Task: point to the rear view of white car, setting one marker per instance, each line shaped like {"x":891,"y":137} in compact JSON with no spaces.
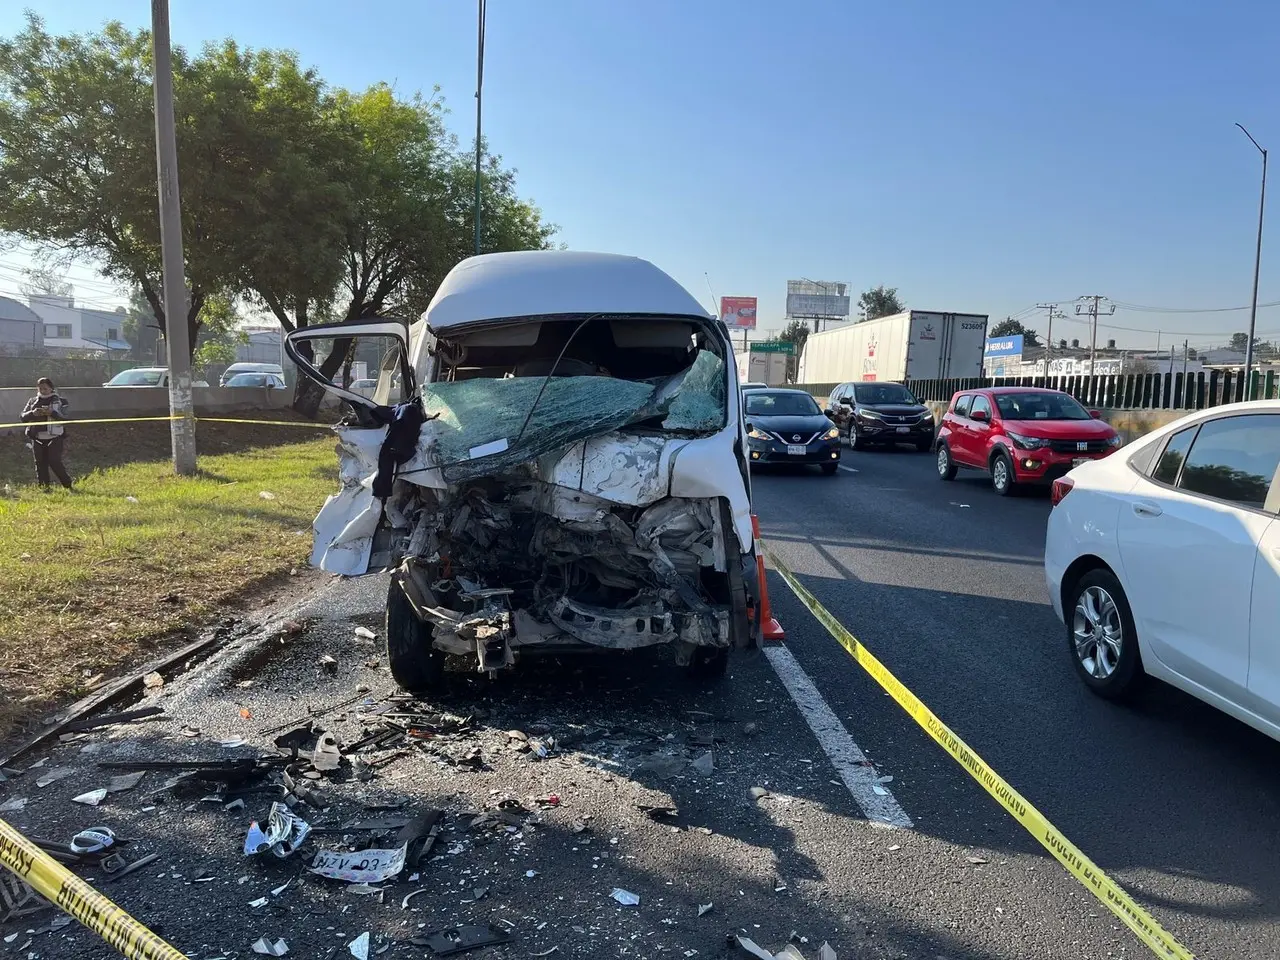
{"x":1164,"y":560}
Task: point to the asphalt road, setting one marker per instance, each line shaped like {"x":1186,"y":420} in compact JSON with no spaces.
{"x":943,"y":582}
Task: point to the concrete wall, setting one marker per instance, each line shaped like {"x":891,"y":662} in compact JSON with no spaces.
{"x":102,"y":402}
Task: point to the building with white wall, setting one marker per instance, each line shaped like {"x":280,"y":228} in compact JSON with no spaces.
{"x":72,"y":329}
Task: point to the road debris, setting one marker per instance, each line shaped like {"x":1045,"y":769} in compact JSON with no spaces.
{"x":359,"y":947}
{"x":110,"y":719}
{"x":364,"y":633}
{"x":704,"y":764}
{"x":705,"y":908}
{"x":92,"y":798}
{"x":54,"y":775}
{"x":18,"y":898}
{"x":625,"y":897}
{"x":452,"y":940}
{"x":758,"y":793}
{"x":270,"y":948}
{"x":404,"y":904}
{"x":13,"y":805}
{"x":285,"y":832}
{"x":362,"y":866}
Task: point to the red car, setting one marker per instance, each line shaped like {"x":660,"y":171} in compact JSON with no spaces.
{"x":1020,"y":435}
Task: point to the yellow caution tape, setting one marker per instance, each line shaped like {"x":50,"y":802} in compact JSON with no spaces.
{"x":76,"y":423}
{"x":1111,"y":895}
{"x":80,"y":901}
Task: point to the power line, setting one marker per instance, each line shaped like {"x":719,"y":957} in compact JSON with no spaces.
{"x":1140,"y":308}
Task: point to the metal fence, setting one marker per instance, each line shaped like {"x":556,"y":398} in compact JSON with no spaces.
{"x":1149,"y":391}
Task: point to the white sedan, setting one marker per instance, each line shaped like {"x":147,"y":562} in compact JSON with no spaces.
{"x":1164,"y":560}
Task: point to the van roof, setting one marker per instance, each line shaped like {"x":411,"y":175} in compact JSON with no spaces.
{"x":541,"y":283}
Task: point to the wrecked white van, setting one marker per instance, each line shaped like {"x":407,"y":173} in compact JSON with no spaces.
{"x":552,"y":462}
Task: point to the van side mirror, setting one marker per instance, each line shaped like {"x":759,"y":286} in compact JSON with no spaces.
{"x":829,"y":413}
{"x":1096,"y":414}
{"x":981,"y":416}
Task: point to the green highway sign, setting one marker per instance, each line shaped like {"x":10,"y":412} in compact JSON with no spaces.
{"x":774,"y":346}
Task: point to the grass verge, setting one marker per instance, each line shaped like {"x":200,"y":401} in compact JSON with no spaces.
{"x":90,"y":579}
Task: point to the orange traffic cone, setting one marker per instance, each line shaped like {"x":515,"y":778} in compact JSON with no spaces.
{"x":770,"y":628}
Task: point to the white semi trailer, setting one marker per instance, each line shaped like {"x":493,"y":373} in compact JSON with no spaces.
{"x":913,"y":345}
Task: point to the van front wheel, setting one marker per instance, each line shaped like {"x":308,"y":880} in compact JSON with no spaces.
{"x":415,"y":666}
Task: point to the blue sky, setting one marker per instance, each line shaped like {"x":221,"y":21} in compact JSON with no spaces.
{"x":979,"y":156}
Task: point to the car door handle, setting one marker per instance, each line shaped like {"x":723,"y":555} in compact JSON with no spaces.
{"x":1144,"y":509}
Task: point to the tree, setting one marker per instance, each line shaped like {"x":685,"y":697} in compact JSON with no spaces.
{"x":77,"y":153}
{"x":139,"y":327}
{"x":45,"y":282}
{"x":879,"y":302}
{"x":1008,"y":327}
{"x":220,"y":333}
{"x":314,"y":203}
{"x":1240,"y":341}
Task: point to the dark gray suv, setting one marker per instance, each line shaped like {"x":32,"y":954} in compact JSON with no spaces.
{"x":880,"y":413}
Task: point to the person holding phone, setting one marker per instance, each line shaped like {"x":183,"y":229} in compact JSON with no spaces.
{"x":47,"y":436}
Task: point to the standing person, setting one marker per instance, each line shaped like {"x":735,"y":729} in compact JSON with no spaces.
{"x":46,"y":436}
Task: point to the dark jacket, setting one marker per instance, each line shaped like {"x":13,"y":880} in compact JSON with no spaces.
{"x":41,"y":411}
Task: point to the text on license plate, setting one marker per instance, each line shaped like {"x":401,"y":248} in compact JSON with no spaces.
{"x":797,"y":450}
{"x":904,"y":429}
{"x":1079,"y":460}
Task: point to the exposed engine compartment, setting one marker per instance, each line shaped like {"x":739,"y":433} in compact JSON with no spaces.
{"x":510,"y":561}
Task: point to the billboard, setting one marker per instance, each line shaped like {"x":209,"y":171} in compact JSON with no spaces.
{"x":817,"y":299}
{"x":738,"y":313}
{"x":1004,"y":346}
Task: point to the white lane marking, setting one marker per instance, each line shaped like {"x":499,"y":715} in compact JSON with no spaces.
{"x":874,"y":799}
{"x":848,"y":469}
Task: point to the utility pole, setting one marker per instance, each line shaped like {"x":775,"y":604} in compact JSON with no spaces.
{"x":1185,"y":346}
{"x":1092,"y":310}
{"x":1257,"y":266}
{"x":1048,"y":337}
{"x":182,"y":428}
{"x":479,"y":90}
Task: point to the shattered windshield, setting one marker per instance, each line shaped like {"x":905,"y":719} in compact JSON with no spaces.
{"x":481,"y":426}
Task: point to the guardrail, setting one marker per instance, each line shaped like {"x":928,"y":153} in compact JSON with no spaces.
{"x":1137,"y":391}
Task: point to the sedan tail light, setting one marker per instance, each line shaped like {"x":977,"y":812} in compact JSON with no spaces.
{"x":1061,"y":487}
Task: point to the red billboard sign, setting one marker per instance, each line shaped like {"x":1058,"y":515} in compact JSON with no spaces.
{"x":738,"y":313}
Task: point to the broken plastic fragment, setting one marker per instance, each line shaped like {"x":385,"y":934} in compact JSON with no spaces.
{"x":92,"y":798}
{"x":270,"y":948}
{"x":625,"y":897}
{"x":13,"y":805}
{"x":758,"y":793}
{"x":826,"y":953}
{"x":704,"y":909}
{"x":705,"y":764}
{"x":404,"y":904}
{"x":285,"y":832}
{"x":359,"y":947}
{"x":260,"y":902}
{"x":364,"y":633}
{"x":750,"y":947}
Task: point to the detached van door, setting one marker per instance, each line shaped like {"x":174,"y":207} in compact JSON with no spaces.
{"x":352,"y":532}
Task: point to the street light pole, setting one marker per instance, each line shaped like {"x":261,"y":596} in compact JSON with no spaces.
{"x":182,"y":426}
{"x":1257,"y":266}
{"x":479,"y":90}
